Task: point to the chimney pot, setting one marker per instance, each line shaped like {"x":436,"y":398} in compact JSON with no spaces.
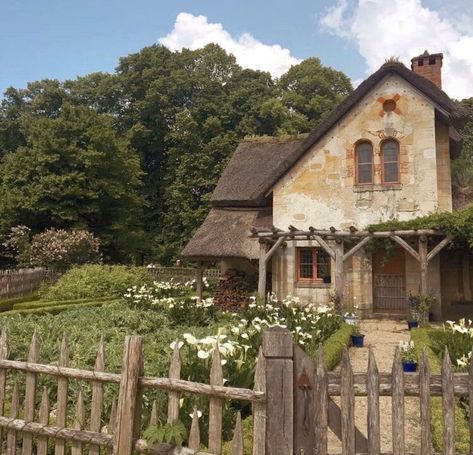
{"x":429,"y":66}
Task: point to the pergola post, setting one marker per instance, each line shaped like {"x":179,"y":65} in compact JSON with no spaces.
{"x":262,"y":269}
{"x":199,"y":279}
{"x":424,"y":265}
{"x":339,"y":275}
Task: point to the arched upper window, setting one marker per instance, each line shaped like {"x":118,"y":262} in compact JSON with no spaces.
{"x":364,"y":163}
{"x":390,"y":160}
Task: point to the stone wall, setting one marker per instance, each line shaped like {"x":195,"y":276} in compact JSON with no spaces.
{"x":444,"y":169}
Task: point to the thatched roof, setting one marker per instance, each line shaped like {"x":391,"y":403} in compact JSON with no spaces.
{"x":251,"y":170}
{"x":224,"y":233}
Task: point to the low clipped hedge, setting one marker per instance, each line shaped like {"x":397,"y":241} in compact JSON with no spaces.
{"x":8,"y":304}
{"x":335,"y":344}
{"x":59,"y":308}
{"x":423,"y":339}
{"x":33,"y":304}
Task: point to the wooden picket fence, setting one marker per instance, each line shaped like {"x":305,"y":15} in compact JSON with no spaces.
{"x":292,"y":402}
{"x":302,"y":391}
{"x":125,"y":419}
{"x":180,"y":274}
{"x":18,"y":282}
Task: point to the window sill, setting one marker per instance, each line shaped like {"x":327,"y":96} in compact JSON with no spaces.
{"x":313,"y":284}
{"x":387,"y":187}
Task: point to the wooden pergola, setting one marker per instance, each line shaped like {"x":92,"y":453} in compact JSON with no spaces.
{"x":333,"y":242}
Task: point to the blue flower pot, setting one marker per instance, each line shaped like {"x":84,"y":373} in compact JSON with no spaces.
{"x":412,"y":324}
{"x":409,"y":367}
{"x":357,"y":340}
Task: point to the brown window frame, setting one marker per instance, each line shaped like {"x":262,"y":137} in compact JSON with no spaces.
{"x":398,"y":162}
{"x":315,"y":278}
{"x":357,"y":163}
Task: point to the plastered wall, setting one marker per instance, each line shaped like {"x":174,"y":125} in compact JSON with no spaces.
{"x":321,"y":190}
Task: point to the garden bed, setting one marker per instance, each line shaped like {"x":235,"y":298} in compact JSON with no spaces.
{"x":429,"y":339}
{"x":164,"y":313}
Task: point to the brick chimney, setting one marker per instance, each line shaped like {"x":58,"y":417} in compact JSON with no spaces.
{"x":429,"y":66}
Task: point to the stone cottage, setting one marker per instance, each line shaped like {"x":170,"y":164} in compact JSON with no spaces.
{"x":286,"y":209}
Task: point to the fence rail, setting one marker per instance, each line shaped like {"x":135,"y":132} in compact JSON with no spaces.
{"x":123,"y":437}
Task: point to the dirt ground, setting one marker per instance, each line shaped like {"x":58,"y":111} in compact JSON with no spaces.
{"x":383,"y":336}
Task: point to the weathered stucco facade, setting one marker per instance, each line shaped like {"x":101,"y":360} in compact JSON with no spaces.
{"x":321,"y":190}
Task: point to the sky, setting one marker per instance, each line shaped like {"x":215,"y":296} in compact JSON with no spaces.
{"x":63,"y":39}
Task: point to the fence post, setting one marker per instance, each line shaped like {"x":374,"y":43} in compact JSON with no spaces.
{"x":129,"y":401}
{"x":278,"y":353}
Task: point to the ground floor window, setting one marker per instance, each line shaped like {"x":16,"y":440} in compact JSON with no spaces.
{"x":313,"y":264}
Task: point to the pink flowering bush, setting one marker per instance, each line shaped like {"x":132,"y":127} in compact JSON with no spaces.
{"x":53,"y":248}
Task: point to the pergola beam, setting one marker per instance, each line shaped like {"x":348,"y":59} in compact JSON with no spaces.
{"x":301,"y":235}
{"x":325,"y":246}
{"x":273,"y":249}
{"x":438,"y":248}
{"x":357,"y":247}
{"x":263,"y":250}
{"x":406,"y":246}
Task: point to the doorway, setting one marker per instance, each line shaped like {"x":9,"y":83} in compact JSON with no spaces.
{"x":389,"y":281}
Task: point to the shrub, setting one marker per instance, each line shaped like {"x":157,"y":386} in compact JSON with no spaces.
{"x":54,"y":249}
{"x":94,"y":280}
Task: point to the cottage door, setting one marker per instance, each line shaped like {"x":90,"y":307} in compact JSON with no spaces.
{"x":389,"y":281}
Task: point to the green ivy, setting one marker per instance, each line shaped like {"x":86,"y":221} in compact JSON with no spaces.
{"x":457,"y":224}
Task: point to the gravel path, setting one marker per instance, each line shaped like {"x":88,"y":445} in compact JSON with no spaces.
{"x":383,"y":336}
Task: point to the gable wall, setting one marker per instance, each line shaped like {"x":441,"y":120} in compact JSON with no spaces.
{"x":319,"y":191}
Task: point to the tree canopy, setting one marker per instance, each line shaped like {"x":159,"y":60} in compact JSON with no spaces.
{"x":134,"y":156}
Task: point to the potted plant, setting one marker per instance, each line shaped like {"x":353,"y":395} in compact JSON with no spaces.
{"x":351,"y":317}
{"x":408,"y":356}
{"x":357,"y":338}
{"x":413,"y":321}
{"x":425,"y":303}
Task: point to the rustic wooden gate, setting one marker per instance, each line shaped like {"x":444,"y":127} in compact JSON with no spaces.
{"x":389,"y":292}
{"x":300,"y":409}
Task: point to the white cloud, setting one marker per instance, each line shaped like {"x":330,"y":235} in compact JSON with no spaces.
{"x":404,"y":29}
{"x":193,"y":32}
